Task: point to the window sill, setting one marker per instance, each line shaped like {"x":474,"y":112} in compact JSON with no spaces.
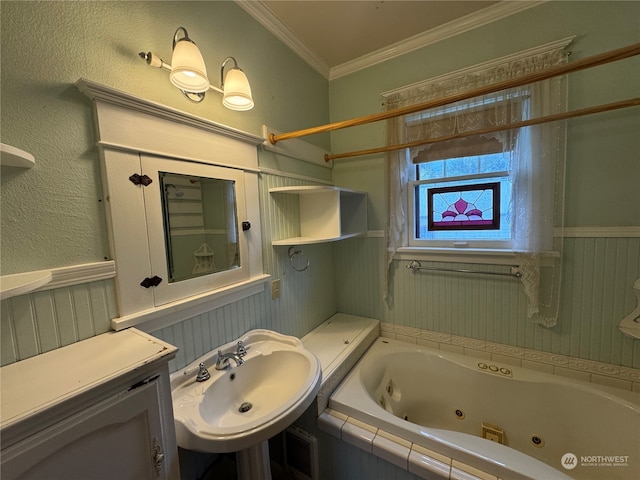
{"x":482,"y":256}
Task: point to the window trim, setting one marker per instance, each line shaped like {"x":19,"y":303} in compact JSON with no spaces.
{"x":402,"y":245}
{"x":477,"y":246}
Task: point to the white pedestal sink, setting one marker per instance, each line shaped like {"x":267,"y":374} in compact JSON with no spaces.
{"x":240,"y":408}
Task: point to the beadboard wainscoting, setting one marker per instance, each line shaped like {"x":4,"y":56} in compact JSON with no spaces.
{"x":41,"y":321}
{"x":45,"y":320}
{"x":596,"y":295}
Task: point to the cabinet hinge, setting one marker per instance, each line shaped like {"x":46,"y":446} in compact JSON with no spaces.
{"x":151,"y":282}
{"x":140,"y":180}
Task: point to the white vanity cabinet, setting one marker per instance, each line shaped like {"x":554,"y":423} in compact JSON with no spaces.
{"x":97,"y":409}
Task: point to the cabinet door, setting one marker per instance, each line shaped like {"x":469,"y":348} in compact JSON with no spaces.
{"x":118,"y":438}
{"x":191,"y":210}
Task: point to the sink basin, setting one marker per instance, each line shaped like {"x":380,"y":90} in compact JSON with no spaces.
{"x":244,"y":405}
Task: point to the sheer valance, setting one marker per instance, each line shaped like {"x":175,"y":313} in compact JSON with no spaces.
{"x":494,"y":113}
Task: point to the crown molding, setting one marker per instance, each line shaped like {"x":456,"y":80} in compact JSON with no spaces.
{"x":265,"y":17}
{"x":455,"y":27}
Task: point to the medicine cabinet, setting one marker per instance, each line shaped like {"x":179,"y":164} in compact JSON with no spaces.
{"x":176,"y":228}
{"x":326,"y":214}
{"x":182,"y":207}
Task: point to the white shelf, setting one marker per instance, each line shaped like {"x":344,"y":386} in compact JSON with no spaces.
{"x":27,"y":282}
{"x":14,"y":157}
{"x":310,"y":189}
{"x":310,"y":240}
{"x":21,"y":283}
{"x":327,"y":214}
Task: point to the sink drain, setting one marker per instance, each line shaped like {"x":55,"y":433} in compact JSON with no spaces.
{"x":245,"y":407}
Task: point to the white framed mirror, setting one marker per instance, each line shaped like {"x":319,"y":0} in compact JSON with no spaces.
{"x":194,"y":215}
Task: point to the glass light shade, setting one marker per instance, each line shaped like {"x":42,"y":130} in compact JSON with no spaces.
{"x":188,"y":71}
{"x":237,"y":92}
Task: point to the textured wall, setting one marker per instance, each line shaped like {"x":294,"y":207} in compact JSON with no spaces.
{"x":39,"y":322}
{"x":602,"y":178}
{"x":52,"y":215}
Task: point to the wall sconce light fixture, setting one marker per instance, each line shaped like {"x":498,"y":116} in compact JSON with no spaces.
{"x":189,"y":73}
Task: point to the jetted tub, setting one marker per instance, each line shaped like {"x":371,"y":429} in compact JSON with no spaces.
{"x":444,"y":401}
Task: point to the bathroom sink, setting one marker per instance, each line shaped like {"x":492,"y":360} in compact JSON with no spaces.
{"x":246,"y":404}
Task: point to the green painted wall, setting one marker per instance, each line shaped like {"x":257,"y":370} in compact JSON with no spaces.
{"x":603,"y":169}
{"x":52,"y":215}
{"x":603,"y":174}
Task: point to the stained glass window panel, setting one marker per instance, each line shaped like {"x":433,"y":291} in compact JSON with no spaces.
{"x":468,"y":207}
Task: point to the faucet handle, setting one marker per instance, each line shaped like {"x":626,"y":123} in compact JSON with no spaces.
{"x":241,"y":350}
{"x":203,"y":373}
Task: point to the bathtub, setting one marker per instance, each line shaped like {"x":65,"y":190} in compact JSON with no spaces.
{"x":443,"y":401}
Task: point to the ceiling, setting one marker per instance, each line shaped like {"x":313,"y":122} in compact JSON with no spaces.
{"x":339,"y":37}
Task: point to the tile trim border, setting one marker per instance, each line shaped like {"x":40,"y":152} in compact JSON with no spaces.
{"x":333,"y":423}
{"x":600,"y":373}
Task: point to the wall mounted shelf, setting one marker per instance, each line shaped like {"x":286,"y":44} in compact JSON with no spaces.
{"x":28,"y":282}
{"x":14,"y":157}
{"x":327,"y":214}
{"x":21,"y":283}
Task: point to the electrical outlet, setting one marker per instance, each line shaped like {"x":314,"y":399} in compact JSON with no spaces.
{"x":275,"y":289}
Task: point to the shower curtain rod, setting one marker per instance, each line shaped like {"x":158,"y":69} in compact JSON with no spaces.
{"x":593,"y":61}
{"x":634,"y":102}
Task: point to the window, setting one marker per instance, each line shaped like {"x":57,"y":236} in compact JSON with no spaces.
{"x":461,"y":193}
{"x":499,"y":194}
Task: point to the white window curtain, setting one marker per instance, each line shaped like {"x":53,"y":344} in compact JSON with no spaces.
{"x":537,"y":157}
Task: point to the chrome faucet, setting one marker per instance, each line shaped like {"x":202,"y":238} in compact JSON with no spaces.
{"x":223,"y":360}
{"x":222,"y":363}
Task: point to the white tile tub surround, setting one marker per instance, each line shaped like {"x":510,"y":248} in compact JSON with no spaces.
{"x":599,"y":373}
{"x":358,"y":434}
{"x":392,"y":448}
{"x":428,"y":464}
{"x":418,"y":460}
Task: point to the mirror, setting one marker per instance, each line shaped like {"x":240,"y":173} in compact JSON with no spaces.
{"x":201,"y":234}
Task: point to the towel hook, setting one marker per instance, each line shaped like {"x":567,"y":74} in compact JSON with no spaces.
{"x":293,"y":252}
